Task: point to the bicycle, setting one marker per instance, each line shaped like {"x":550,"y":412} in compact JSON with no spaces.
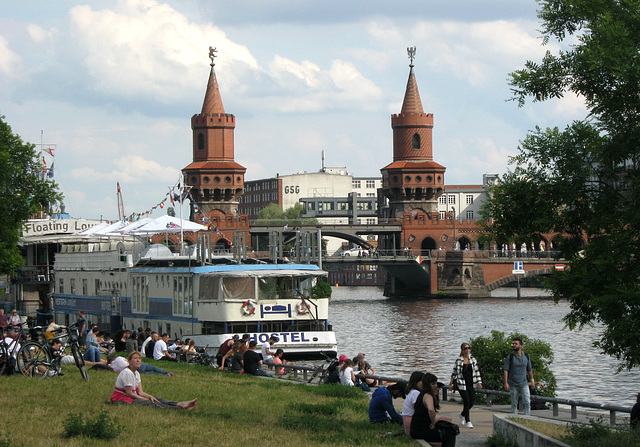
{"x":9,"y":353}
{"x":37,"y":360}
{"x":323,"y":370}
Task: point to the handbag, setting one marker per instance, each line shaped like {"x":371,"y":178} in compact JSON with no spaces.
{"x":447,"y":429}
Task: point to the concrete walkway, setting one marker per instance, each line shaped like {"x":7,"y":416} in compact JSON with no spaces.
{"x":482,"y":419}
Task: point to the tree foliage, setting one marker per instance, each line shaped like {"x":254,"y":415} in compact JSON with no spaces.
{"x":491,"y":353}
{"x":23,"y":193}
{"x":583,"y":181}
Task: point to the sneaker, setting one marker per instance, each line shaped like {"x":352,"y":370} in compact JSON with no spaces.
{"x":469,"y":425}
{"x":461,"y":419}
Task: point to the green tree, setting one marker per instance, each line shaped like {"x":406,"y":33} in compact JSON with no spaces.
{"x":271,"y":212}
{"x":23,"y":193}
{"x":583,"y":181}
{"x":171,"y":211}
{"x":491,"y":353}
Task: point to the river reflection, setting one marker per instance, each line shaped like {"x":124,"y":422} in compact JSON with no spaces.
{"x":400,"y":336}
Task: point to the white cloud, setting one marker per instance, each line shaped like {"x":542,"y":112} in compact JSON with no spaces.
{"x":142,"y":47}
{"x":129,"y":169}
{"x":10,"y":62}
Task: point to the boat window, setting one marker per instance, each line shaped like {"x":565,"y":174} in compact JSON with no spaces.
{"x":209,"y":287}
{"x":238,"y":288}
{"x":267,"y":288}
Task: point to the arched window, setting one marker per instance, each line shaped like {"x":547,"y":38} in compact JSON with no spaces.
{"x":200,"y":141}
{"x":416,"y":141}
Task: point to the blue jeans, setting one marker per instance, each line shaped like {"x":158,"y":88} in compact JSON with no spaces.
{"x":261,"y":372}
{"x":522,"y":390}
{"x":92,"y":354}
{"x":145,"y":368}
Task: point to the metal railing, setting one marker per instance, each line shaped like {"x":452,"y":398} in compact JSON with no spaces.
{"x":305,"y":371}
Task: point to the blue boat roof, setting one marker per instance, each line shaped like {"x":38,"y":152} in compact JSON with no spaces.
{"x":227,"y":268}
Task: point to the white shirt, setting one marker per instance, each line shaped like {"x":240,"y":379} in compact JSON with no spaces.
{"x":128,"y":378}
{"x":159,"y":350}
{"x":119,"y":364}
{"x":265,"y":348}
{"x":410,"y":402}
{"x":345,"y":376}
{"x":9,"y":343}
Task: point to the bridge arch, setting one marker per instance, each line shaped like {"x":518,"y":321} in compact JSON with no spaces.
{"x":428,"y":244}
{"x":510,"y":278}
{"x":465,"y":243}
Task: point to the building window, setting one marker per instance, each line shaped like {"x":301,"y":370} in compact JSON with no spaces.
{"x":452,"y":199}
{"x":371,"y":194}
{"x":442,"y":199}
{"x":97,"y":287}
{"x":416,"y":141}
{"x":72,"y":286}
{"x":371,"y":221}
{"x":355,"y":184}
{"x":200,"y":141}
{"x":371,"y":183}
{"x":84,"y":286}
{"x":469,"y":214}
{"x":469,"y":199}
{"x":61,"y":286}
{"x":443,"y":215}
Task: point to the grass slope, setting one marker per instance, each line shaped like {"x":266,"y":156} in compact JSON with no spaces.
{"x":232,"y":410}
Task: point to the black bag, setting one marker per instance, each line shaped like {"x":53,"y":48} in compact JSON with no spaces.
{"x":447,"y":429}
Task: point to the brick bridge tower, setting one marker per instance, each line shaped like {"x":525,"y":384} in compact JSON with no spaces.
{"x":216,"y":180}
{"x":413,"y":182}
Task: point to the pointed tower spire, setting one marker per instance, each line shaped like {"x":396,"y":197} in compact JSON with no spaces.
{"x":412,"y":102}
{"x":212,"y":99}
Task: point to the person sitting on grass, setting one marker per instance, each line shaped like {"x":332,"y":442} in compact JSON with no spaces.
{"x":381,"y":408}
{"x":233,"y":360}
{"x":160,"y":350}
{"x":128,"y":389}
{"x":253,"y":361}
{"x":117,"y":364}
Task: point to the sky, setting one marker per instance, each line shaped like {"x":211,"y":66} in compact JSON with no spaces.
{"x":114,"y":83}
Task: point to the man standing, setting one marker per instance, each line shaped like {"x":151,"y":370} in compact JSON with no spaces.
{"x":517,"y":367}
{"x":82,"y":328}
{"x":4,"y":321}
{"x":160,"y":350}
{"x":253,"y":361}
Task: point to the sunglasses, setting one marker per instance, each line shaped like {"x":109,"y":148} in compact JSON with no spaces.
{"x":468,"y":347}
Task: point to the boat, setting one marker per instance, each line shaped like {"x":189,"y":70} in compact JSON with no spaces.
{"x":125,"y":282}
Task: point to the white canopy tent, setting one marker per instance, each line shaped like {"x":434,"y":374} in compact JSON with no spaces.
{"x":167,"y":224}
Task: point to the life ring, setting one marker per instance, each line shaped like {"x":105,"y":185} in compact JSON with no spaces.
{"x":302,"y":307}
{"x":248,"y":308}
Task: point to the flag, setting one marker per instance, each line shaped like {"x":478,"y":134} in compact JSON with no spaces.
{"x":49,"y":150}
{"x":50,"y":174}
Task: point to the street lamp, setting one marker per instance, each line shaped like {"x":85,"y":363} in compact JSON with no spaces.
{"x":453,"y":209}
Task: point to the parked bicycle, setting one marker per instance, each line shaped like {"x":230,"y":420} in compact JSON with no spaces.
{"x":323,"y":371}
{"x":9,"y":351}
{"x":39,"y":360}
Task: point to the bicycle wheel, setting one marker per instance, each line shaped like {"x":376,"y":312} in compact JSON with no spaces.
{"x":34,"y":361}
{"x":79,"y":362}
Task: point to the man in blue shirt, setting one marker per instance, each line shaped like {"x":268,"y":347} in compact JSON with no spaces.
{"x":516,"y":368}
{"x":381,"y":408}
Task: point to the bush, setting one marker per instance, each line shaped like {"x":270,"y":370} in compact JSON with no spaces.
{"x":101,"y":427}
{"x":597,"y":434}
{"x":322,"y":289}
{"x":492,"y":352}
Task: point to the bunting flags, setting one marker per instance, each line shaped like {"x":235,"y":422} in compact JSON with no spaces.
{"x":50,"y":173}
{"x":49,"y":150}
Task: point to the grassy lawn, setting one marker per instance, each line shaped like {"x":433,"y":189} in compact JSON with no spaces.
{"x":232,"y":411}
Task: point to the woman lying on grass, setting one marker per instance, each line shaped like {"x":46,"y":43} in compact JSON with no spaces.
{"x":129,"y":389}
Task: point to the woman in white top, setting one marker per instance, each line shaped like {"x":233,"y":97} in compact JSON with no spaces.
{"x":129,"y":389}
{"x":347,"y":377}
{"x":14,"y":318}
{"x":414,"y":388}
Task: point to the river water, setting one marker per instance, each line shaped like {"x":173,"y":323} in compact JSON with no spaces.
{"x":400,"y":336}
